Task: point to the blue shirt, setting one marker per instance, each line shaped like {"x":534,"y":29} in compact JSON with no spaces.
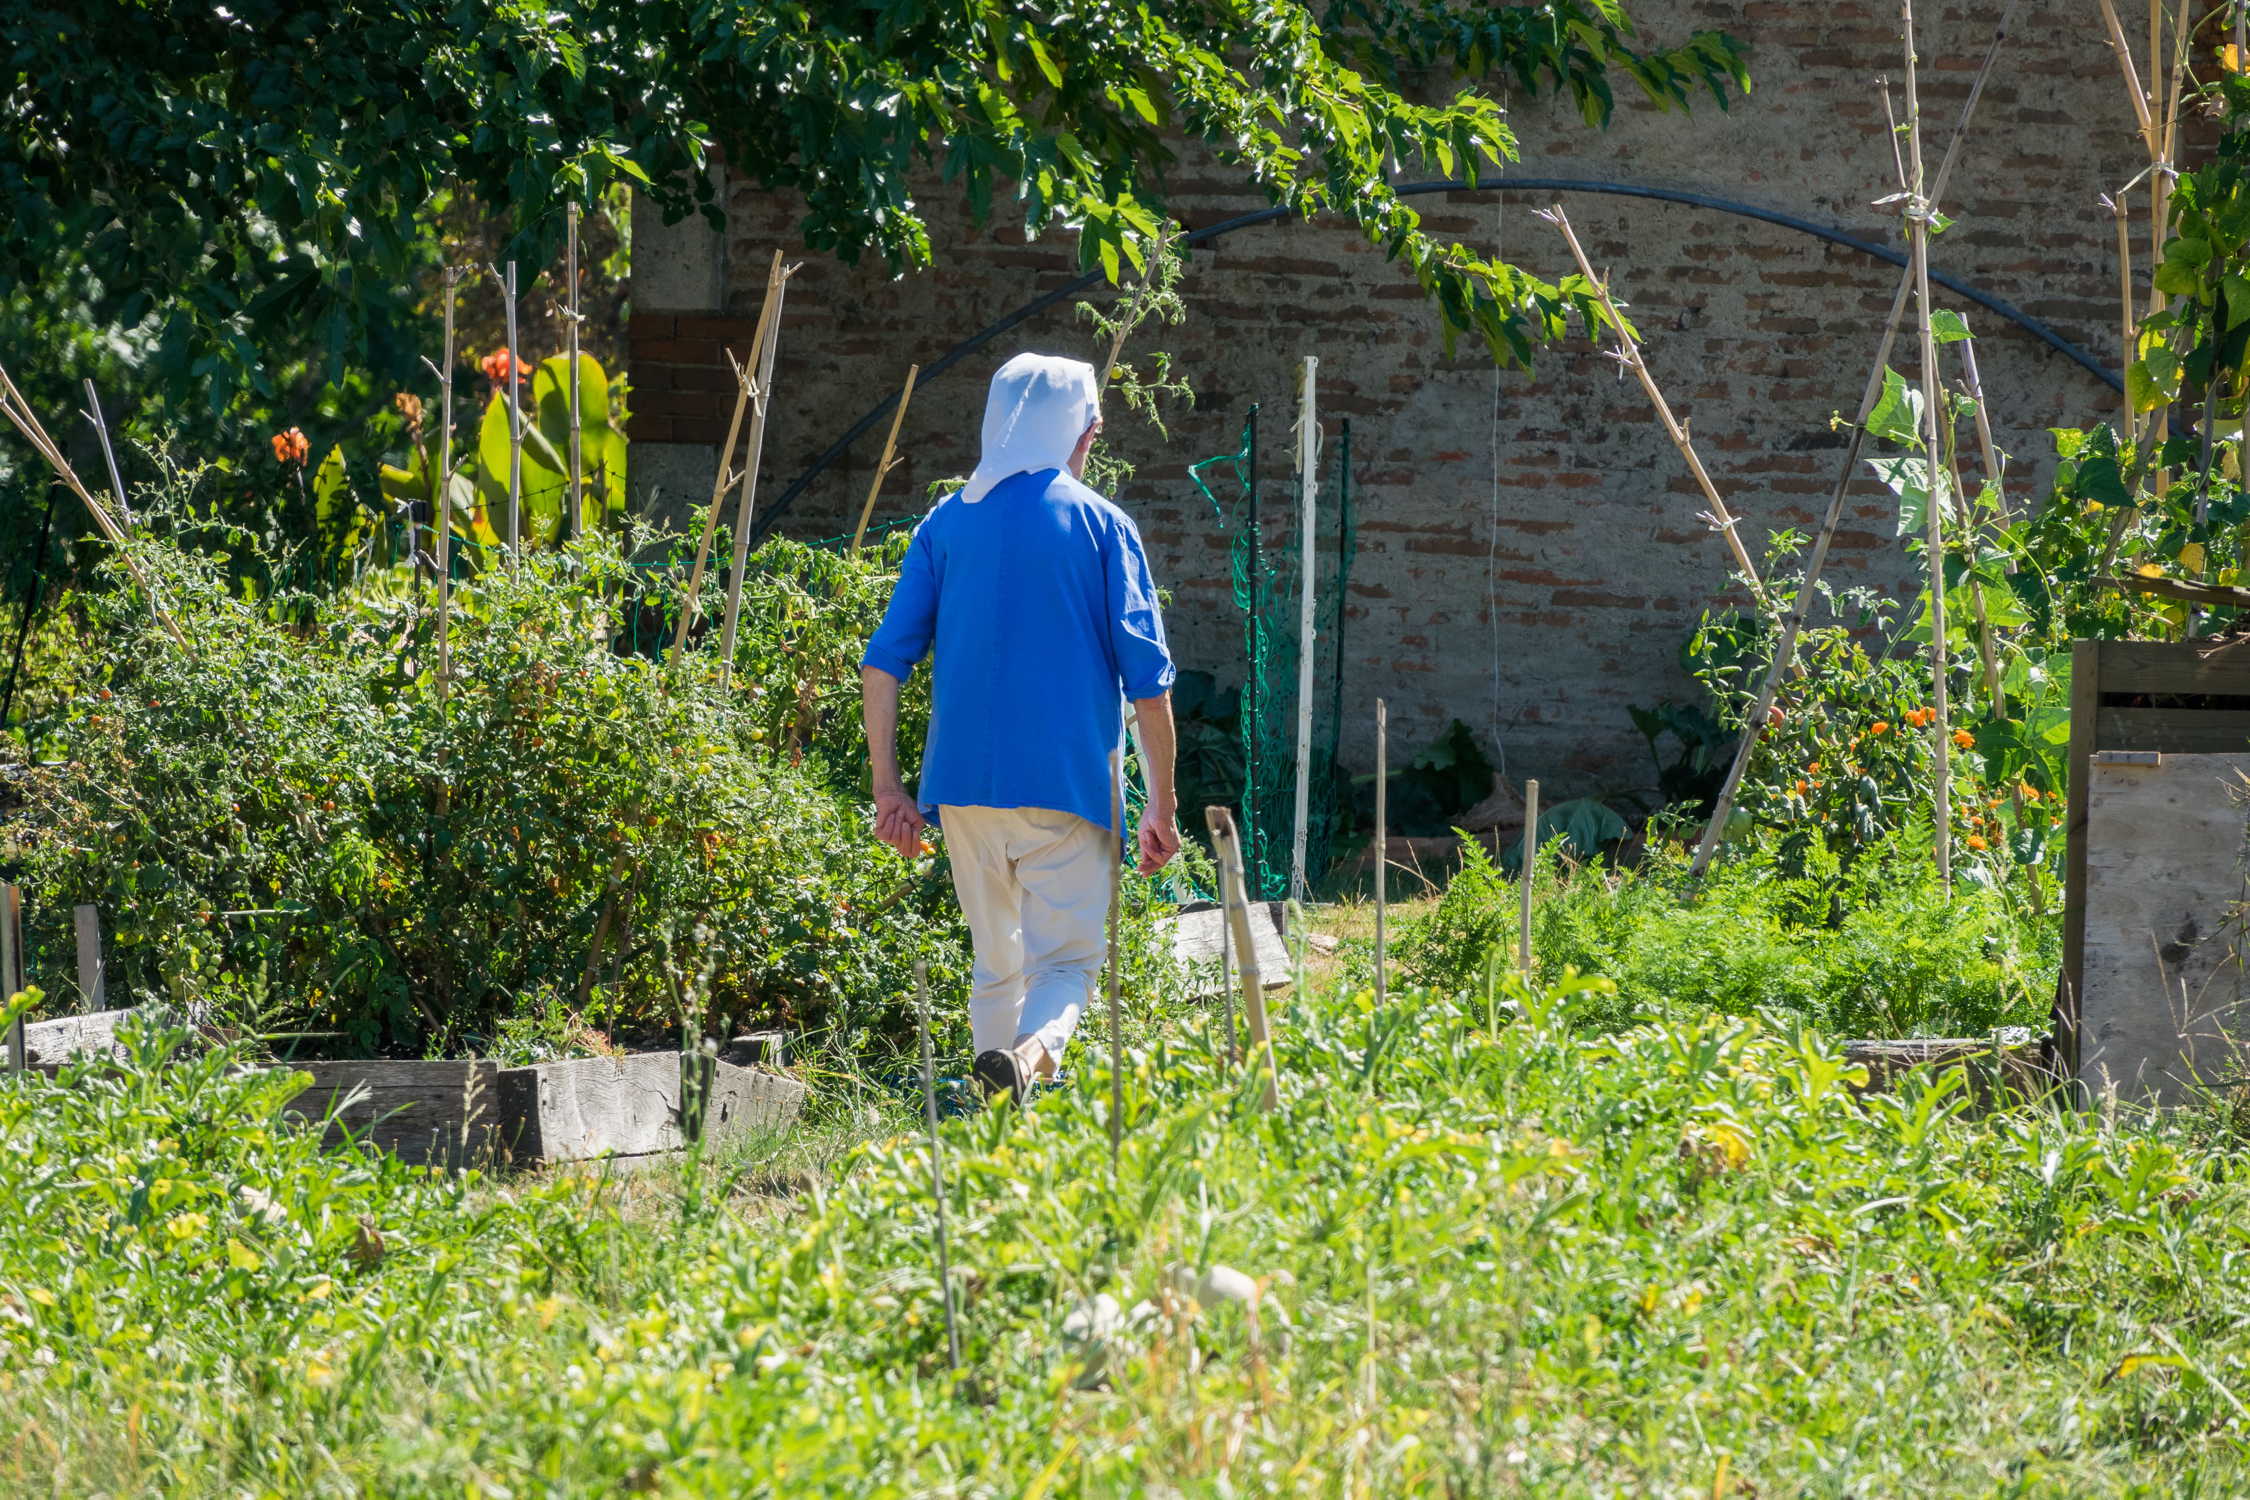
{"x":1038,"y":603}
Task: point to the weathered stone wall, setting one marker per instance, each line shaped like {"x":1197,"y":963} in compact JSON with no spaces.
{"x":1530,"y":559}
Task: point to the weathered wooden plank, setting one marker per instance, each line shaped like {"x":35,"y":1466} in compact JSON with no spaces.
{"x":2161,"y":985}
{"x":748,"y":1101}
{"x":2007,"y":1070}
{"x":2174,"y":731}
{"x":1197,"y":936}
{"x":444,"y":1113}
{"x":2085,"y":696}
{"x":2221,"y":668}
{"x":86,"y":928}
{"x":595,"y":1106}
{"x":70,"y":1038}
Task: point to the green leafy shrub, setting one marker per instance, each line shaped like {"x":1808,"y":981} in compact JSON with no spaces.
{"x":1874,"y":949}
{"x":287,"y":819}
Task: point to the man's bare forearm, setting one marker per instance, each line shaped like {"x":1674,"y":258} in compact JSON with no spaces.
{"x":878,"y":701}
{"x":1159,"y":742}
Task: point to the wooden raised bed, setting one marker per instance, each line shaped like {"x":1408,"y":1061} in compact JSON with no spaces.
{"x":1999,"y":1073}
{"x":478,"y":1113}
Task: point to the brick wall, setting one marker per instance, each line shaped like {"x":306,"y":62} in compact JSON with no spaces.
{"x":1530,"y":559}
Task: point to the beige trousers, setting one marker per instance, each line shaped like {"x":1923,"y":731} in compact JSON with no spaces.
{"x":1034,"y":886}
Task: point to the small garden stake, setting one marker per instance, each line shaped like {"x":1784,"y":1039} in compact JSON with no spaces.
{"x":884,"y":464}
{"x":11,"y":971}
{"x":1382,"y":847}
{"x":443,"y":500}
{"x":761,"y":406}
{"x":86,"y":927}
{"x":572,"y":318}
{"x":1523,"y":876}
{"x":109,"y":454}
{"x":515,"y":423}
{"x":744,"y":374}
{"x":1116,"y":1021}
{"x":1308,"y":493}
{"x":937,"y":1161}
{"x":1227,"y":844}
{"x":1785,"y":649}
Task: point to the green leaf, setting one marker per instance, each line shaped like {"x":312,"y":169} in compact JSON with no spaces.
{"x":1897,"y":416}
{"x":2154,"y":379}
{"x":1948,"y":326}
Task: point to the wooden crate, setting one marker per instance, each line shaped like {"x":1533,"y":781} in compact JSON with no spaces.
{"x":1999,"y":1072}
{"x":2150,"y":1000}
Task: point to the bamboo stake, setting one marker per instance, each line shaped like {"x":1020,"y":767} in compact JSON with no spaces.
{"x":761,"y":404}
{"x":109,"y":454}
{"x":1116,"y":902}
{"x":1308,"y":493}
{"x":1785,"y":650}
{"x":744,"y":373}
{"x":11,"y":971}
{"x":1227,"y":844}
{"x":883,"y":465}
{"x":2121,"y":211}
{"x":1918,"y":214}
{"x":572,"y":320}
{"x":21,"y":417}
{"x":1995,"y":468}
{"x":1524,"y":876}
{"x":1382,"y":848}
{"x":515,"y":425}
{"x":1628,"y":353}
{"x":443,"y":496}
{"x":2124,"y":52}
{"x":937,"y":1159}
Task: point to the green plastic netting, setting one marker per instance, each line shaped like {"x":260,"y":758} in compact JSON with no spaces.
{"x":1267,"y":566}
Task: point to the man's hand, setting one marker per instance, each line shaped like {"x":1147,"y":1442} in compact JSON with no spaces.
{"x":898,"y":822}
{"x":1160,"y":838}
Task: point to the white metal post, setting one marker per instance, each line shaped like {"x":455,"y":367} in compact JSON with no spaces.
{"x":1308,"y":480}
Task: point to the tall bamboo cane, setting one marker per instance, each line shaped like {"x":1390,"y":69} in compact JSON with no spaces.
{"x":1785,"y":650}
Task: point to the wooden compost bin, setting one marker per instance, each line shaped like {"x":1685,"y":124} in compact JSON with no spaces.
{"x":2150,"y":1002}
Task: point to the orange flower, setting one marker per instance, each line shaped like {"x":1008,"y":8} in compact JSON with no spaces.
{"x":1802,"y":789}
{"x":1964,"y":739}
{"x":1880,"y":726}
{"x":498,"y":366}
{"x":290,"y":447}
{"x":1976,"y":842}
{"x":1812,"y":767}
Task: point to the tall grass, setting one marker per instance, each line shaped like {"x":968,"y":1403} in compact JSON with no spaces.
{"x":1683,"y":1259}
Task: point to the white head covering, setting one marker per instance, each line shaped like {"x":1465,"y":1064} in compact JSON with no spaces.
{"x":1038,"y":408}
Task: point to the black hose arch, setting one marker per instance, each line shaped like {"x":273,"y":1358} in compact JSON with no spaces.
{"x":1211,"y":232}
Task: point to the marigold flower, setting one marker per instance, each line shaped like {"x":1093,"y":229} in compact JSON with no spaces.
{"x":1802,"y":788}
{"x":1964,"y":739}
{"x":1880,"y":726}
{"x":497,"y":366}
{"x":291,"y":447}
{"x":1976,"y":842}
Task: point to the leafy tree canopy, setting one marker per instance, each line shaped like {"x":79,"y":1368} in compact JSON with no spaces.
{"x":235,"y":187}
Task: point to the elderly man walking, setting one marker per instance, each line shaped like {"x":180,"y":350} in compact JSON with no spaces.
{"x":1035,"y":597}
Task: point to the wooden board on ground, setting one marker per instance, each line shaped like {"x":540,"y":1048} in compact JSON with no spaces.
{"x":444,"y":1113}
{"x":70,"y":1038}
{"x":1196,"y":938}
{"x":2161,"y":983}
